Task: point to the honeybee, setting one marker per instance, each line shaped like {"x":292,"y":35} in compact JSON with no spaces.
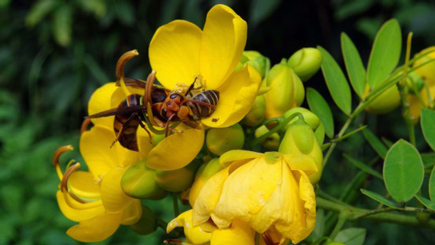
{"x":158,"y":107}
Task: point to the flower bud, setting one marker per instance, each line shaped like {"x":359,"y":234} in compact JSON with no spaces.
{"x":305,"y":62}
{"x":221,"y":140}
{"x":271,"y":143}
{"x":320,"y":134}
{"x":256,"y":115}
{"x":138,"y":182}
{"x":300,"y":139}
{"x":204,"y":173}
{"x":330,"y":242}
{"x":415,"y":82}
{"x":385,"y":102}
{"x":259,"y":62}
{"x":147,"y":224}
{"x":179,"y":179}
{"x":286,"y":90}
{"x":427,"y":71}
{"x":309,"y":117}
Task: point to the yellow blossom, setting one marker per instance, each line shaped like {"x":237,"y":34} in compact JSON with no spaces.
{"x":95,"y":198}
{"x":268,"y":191}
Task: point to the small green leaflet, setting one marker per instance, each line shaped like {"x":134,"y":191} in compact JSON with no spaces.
{"x":403,"y":171}
{"x":320,"y":107}
{"x":363,"y":167}
{"x":380,"y":199}
{"x":428,"y":126}
{"x":354,"y":65}
{"x":375,"y":143}
{"x":351,"y":236}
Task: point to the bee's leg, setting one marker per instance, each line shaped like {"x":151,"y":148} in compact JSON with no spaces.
{"x":146,"y":130}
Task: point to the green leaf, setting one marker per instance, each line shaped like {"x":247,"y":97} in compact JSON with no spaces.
{"x":385,"y":52}
{"x":432,"y":185}
{"x":363,"y":167}
{"x":354,"y":65}
{"x":320,"y":107}
{"x":403,"y":171}
{"x":428,"y":126}
{"x":375,"y":143}
{"x":426,"y":202}
{"x":62,"y":25}
{"x":379,"y":198}
{"x":351,"y":236}
{"x":336,"y":82}
{"x":428,"y":159}
{"x":336,"y":140}
{"x":39,"y":11}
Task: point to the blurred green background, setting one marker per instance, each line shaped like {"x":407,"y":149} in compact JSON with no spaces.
{"x":55,"y":53}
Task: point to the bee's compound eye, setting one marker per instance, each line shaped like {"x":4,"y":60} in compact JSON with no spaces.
{"x":164,"y":112}
{"x":173,"y":96}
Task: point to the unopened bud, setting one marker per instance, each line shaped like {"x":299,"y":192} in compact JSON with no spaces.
{"x":138,"y":182}
{"x":221,"y":140}
{"x":286,"y":90}
{"x":256,"y":115}
{"x":415,"y":82}
{"x":300,"y":139}
{"x":426,"y":71}
{"x":271,"y":143}
{"x":179,"y":179}
{"x":259,"y":62}
{"x":305,"y":62}
{"x":203,"y":174}
{"x":309,"y":117}
{"x":385,"y":102}
{"x":147,"y":223}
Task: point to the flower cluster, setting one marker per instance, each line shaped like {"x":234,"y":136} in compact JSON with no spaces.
{"x":224,"y":130}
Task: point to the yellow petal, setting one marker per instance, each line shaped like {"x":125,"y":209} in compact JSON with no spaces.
{"x":237,"y":95}
{"x":176,"y":150}
{"x":95,"y":149}
{"x":301,"y":162}
{"x":77,"y":214}
{"x":113,"y":197}
{"x":96,"y":229}
{"x":236,"y":155}
{"x":223,"y":41}
{"x":83,"y":185}
{"x":208,"y":197}
{"x":132,"y":213}
{"x":256,"y":182}
{"x":239,"y":233}
{"x":195,"y":234}
{"x":174,"y":53}
{"x":299,"y":220}
{"x":101,"y":101}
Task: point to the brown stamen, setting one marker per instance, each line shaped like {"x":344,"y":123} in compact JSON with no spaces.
{"x":123,"y":60}
{"x":68,"y":172}
{"x":85,"y":125}
{"x":267,"y":239}
{"x":172,"y":241}
{"x":59,"y":152}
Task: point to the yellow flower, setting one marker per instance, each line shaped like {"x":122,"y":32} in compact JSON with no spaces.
{"x":238,"y":234}
{"x":180,"y":51}
{"x":270,"y":192}
{"x":95,"y":198}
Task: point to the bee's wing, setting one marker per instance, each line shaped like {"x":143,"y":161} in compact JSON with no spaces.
{"x":119,"y":111}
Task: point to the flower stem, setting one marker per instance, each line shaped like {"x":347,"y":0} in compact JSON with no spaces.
{"x":342,"y":218}
{"x":378,"y":215}
{"x":175,"y":204}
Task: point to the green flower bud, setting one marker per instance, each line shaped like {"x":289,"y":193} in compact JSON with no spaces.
{"x":330,"y":242}
{"x":286,"y":90}
{"x":179,"y":179}
{"x":147,"y":224}
{"x":221,"y":140}
{"x":385,"y":102}
{"x":320,"y":134}
{"x":204,"y":173}
{"x":427,"y":71}
{"x":300,"y":139}
{"x":259,"y":62}
{"x":415,"y":82}
{"x":305,"y":62}
{"x":271,"y":143}
{"x":138,"y":182}
{"x":309,"y":117}
{"x":256,"y":115}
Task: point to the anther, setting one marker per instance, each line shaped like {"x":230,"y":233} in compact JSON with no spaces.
{"x":56,"y":157}
{"x":85,"y":125}
{"x":68,"y":172}
{"x":122,"y":61}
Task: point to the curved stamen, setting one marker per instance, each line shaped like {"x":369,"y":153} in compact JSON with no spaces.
{"x":122,"y":61}
{"x":68,"y":172}
{"x":85,"y":125}
{"x":167,"y":125}
{"x":267,"y":239}
{"x":56,"y":157}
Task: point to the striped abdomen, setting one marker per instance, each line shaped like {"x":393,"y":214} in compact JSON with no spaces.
{"x":210,"y":97}
{"x":126,"y":124}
